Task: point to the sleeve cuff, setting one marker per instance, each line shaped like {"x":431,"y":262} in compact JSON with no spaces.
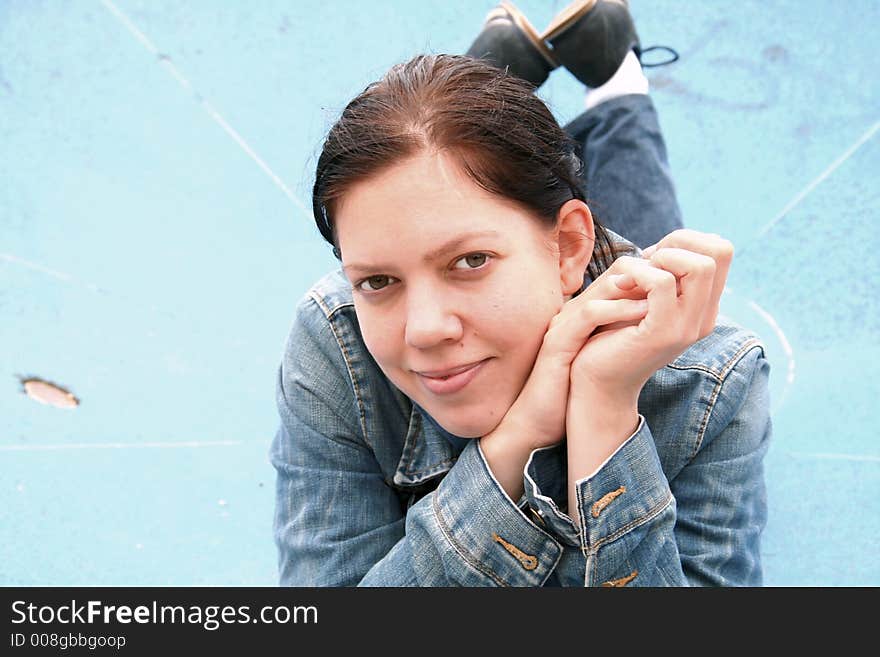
{"x":628,"y":489}
{"x":487,"y":529}
{"x":544,"y":481}
{"x":629,"y":485}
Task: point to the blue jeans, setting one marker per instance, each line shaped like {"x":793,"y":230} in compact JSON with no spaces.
{"x":626,"y":173}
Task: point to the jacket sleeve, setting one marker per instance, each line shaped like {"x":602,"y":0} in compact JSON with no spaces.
{"x":721,"y":494}
{"x":338,"y":522}
{"x":701,"y":528}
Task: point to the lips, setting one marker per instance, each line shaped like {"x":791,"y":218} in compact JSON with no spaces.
{"x":452,"y":382}
{"x":442,"y":374}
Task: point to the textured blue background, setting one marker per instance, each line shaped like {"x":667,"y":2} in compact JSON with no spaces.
{"x":155,"y":170}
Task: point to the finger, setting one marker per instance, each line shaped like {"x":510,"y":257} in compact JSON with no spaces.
{"x":611,"y":284}
{"x":710,"y":244}
{"x":615,"y":283}
{"x":622,"y":281}
{"x":614,"y":326}
{"x":571,"y":327}
{"x":696,"y":275}
{"x":621,"y":311}
{"x":660,"y":287}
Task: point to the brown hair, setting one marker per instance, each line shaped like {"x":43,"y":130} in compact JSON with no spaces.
{"x":503,"y":136}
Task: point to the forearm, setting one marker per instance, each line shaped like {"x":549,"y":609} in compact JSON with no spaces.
{"x":597,"y":424}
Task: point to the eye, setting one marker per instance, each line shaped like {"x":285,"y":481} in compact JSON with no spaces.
{"x":475,"y":259}
{"x":375,"y":283}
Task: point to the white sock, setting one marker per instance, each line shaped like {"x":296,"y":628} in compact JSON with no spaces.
{"x":628,"y":79}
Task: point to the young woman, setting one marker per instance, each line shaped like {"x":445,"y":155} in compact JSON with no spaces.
{"x":496,"y":389}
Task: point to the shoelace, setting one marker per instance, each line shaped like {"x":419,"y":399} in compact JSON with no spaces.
{"x":671,"y":51}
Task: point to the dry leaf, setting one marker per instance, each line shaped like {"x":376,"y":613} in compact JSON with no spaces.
{"x":48,"y":393}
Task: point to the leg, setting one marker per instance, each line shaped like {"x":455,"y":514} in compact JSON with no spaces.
{"x":626,"y":173}
{"x":627,"y":178}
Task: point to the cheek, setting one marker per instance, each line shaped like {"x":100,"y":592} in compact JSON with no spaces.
{"x":379,"y":334}
{"x":523,"y":317}
{"x":520,"y":326}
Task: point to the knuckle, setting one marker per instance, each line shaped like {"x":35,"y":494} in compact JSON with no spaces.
{"x":718,"y":246}
{"x":625,"y":261}
{"x":706,"y":265}
{"x":589,"y":308}
{"x":664,"y":278}
{"x":726,"y":249}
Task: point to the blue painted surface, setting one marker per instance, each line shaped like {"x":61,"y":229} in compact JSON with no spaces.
{"x":156,"y":165}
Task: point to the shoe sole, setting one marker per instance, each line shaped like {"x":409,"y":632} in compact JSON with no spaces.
{"x":528,"y":29}
{"x":570,"y":15}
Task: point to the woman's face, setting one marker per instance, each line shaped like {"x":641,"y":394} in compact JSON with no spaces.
{"x":444,"y":275}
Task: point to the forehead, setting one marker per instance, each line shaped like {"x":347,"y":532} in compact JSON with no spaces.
{"x":418,"y":204}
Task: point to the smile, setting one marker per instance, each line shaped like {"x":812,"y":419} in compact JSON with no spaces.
{"x":453,"y":383}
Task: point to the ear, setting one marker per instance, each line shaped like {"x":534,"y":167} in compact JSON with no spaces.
{"x":576,"y":235}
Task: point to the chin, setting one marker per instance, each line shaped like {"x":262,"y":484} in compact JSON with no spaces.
{"x":467,"y":429}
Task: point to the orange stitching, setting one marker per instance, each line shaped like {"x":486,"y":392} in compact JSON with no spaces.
{"x":623,"y":581}
{"x":605,"y":500}
{"x":526,"y":560}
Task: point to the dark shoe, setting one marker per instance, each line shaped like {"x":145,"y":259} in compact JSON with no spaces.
{"x":591,"y":37}
{"x":509,"y":41}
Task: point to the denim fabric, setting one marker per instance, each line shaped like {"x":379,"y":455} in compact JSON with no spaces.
{"x":371,"y":491}
{"x":626,"y":173}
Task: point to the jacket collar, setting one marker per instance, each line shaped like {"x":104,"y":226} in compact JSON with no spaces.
{"x":428,"y":450}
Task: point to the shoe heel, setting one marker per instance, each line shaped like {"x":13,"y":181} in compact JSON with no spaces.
{"x":571,"y":14}
{"x":509,"y":41}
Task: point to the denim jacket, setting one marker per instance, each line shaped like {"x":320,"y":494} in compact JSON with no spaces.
{"x":371,"y":491}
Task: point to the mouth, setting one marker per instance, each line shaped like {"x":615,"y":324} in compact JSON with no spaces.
{"x":446,"y":382}
{"x":444,"y":374}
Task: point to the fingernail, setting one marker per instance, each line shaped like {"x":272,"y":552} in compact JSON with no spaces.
{"x":617,"y":279}
{"x":647,"y":253}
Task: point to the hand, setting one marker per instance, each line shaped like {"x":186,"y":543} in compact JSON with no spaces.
{"x":682,"y":277}
{"x":540,"y":409}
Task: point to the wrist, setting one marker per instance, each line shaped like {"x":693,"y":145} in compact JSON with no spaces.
{"x":602,"y":401}
{"x":516,"y":433}
{"x":506,"y":450}
{"x":598,"y":422}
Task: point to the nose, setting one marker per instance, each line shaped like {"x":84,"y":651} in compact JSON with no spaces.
{"x":430,"y":319}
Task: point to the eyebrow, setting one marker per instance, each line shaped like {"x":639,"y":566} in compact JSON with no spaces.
{"x":435,"y":254}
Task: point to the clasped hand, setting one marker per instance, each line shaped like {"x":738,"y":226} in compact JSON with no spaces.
{"x":635,"y":318}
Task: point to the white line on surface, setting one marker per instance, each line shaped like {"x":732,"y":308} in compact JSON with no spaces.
{"x":8,"y":257}
{"x":32,"y":265}
{"x":822,"y":176}
{"x":213,"y":113}
{"x":786,"y":346}
{"x":59,"y":446}
{"x":831,"y":455}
